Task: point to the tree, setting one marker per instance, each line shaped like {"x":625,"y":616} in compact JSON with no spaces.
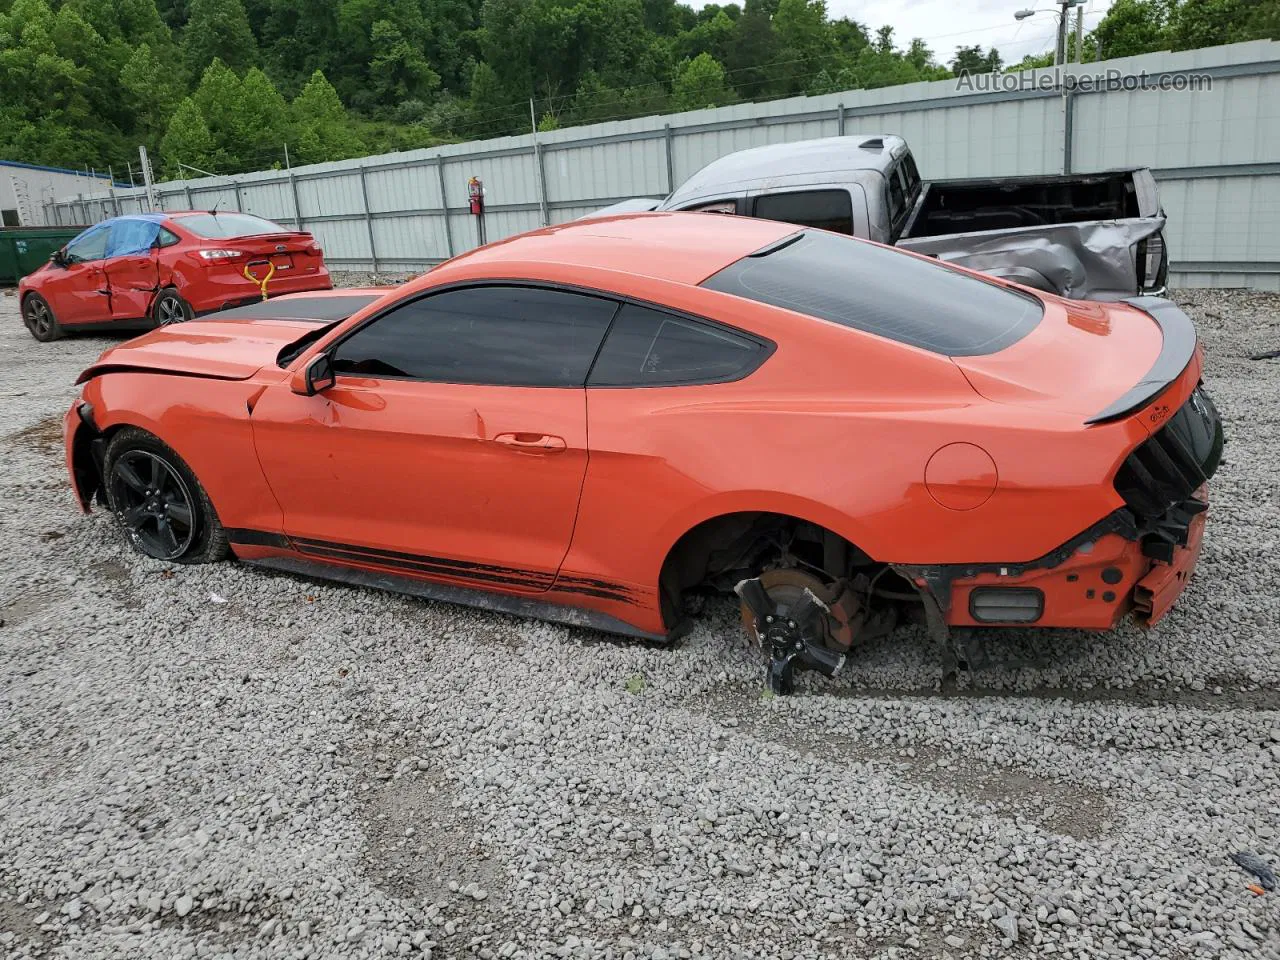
{"x":398,"y":70}
{"x":322,"y":129}
{"x":151,"y":90}
{"x":973,"y":60}
{"x":188,"y":140}
{"x":1132,"y":27}
{"x":700,"y":84}
{"x":218,"y":30}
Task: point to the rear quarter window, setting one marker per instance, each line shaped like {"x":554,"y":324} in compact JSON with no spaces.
{"x":884,"y":292}
{"x":650,"y":348}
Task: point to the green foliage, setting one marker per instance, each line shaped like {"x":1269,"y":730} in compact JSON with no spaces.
{"x":218,"y":30}
{"x":188,"y":140}
{"x":1132,"y":27}
{"x":224,"y":84}
{"x":973,"y":60}
{"x":700,"y":83}
{"x":321,"y":128}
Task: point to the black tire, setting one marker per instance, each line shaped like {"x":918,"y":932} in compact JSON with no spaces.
{"x":160,"y":504}
{"x":169,"y":308}
{"x":39,"y":319}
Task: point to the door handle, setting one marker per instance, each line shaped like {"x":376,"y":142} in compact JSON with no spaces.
{"x":540,"y":442}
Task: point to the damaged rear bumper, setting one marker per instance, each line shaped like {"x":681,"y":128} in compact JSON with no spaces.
{"x":1138,"y":559}
{"x":1089,"y":583}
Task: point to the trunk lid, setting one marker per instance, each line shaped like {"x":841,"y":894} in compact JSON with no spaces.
{"x":1095,"y":360}
{"x":221,"y":349}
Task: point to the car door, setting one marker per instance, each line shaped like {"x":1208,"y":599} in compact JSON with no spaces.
{"x":453,"y":442}
{"x":131,"y":267}
{"x":78,"y":290}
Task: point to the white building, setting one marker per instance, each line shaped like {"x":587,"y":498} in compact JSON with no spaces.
{"x":26,"y":188}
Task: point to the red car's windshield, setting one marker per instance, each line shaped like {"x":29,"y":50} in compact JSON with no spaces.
{"x":228,"y":225}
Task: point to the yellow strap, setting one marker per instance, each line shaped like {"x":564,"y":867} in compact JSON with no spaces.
{"x":262,"y":284}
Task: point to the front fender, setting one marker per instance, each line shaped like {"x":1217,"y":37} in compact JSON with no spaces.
{"x":206,"y":422}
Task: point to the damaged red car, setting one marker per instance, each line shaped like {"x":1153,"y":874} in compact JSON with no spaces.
{"x":153,"y":269}
{"x":597,"y":423}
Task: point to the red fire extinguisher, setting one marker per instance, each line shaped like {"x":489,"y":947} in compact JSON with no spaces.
{"x":475,"y":200}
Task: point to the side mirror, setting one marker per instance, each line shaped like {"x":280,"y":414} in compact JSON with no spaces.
{"x":316,"y":376}
{"x":59,"y":257}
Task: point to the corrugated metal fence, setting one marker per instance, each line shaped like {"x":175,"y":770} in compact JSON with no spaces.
{"x":1216,"y":153}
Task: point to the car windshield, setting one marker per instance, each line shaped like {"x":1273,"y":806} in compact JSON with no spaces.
{"x":228,"y":225}
{"x":883,"y":291}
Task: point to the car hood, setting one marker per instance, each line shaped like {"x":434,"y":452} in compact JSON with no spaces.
{"x":1080,"y":359}
{"x":221,"y":349}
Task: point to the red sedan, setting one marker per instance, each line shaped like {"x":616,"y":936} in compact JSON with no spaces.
{"x":153,"y":269}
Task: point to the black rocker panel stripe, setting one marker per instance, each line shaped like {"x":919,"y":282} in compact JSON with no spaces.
{"x":434,"y":566}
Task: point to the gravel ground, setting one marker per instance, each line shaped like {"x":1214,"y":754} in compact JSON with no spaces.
{"x":219,"y":762}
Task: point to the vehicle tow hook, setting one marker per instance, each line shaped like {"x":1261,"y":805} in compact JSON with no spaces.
{"x":792,"y":638}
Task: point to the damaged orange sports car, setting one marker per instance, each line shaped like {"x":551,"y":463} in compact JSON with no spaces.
{"x":598,"y":422}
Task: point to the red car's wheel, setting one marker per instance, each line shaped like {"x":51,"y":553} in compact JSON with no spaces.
{"x":170,"y":307}
{"x":164,"y":510}
{"x":39,"y":318}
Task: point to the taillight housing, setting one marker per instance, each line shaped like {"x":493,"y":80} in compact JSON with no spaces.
{"x":218,"y":254}
{"x":1152,"y":265}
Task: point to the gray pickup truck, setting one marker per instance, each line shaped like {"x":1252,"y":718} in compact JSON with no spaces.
{"x":1086,"y":236}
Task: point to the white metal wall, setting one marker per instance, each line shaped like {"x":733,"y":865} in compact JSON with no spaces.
{"x":1215,"y":152}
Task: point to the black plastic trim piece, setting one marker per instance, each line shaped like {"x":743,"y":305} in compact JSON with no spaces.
{"x":467,"y":596}
{"x":1179,"y":347}
{"x":424,"y":565}
{"x":257,"y":538}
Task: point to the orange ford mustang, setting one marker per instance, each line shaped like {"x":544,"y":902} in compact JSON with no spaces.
{"x":597,"y":422}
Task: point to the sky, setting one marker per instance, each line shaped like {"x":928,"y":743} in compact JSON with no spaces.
{"x":947,"y":24}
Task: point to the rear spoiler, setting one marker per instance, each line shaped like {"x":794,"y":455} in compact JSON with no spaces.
{"x":1176,"y":352}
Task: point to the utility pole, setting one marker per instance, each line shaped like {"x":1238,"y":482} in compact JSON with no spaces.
{"x":148,"y":178}
{"x":537,"y":160}
{"x":1080,"y":34}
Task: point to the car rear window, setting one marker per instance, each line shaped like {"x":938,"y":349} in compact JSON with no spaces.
{"x":884,"y":292}
{"x":228,"y":225}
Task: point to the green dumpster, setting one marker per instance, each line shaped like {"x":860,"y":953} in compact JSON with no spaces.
{"x":24,"y":249}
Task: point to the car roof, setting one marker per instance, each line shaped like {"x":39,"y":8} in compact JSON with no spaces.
{"x":828,"y":156}
{"x":679,"y":247}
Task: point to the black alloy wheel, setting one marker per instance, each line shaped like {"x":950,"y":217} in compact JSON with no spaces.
{"x":154,"y":504}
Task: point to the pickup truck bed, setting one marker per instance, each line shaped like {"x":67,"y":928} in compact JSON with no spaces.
{"x":1084,"y":236}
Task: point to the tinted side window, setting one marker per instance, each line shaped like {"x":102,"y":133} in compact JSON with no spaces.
{"x":826,"y":209}
{"x":508,"y":336}
{"x":90,"y":245}
{"x":649,"y":348}
{"x":897,"y":196}
{"x":911,"y":174}
{"x":167,"y":238}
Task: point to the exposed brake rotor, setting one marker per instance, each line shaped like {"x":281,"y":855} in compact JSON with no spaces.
{"x":800,"y":621}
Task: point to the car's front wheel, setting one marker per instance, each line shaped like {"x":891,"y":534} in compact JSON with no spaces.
{"x":162,"y":507}
{"x":39,"y":319}
{"x":170,"y":307}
